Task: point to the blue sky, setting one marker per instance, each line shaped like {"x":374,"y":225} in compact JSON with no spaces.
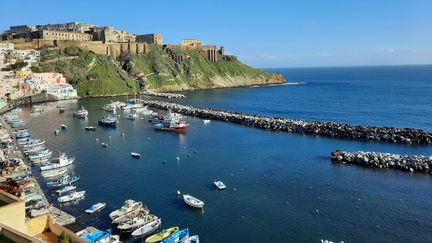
{"x":267,"y":33}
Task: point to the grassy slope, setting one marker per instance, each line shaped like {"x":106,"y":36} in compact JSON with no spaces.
{"x":194,"y":72}
{"x":90,"y":73}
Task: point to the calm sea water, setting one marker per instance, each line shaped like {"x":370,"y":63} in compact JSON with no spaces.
{"x":281,"y":187}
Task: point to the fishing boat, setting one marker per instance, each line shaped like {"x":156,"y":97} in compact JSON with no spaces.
{"x":128,"y":206}
{"x":71,"y":197}
{"x":136,"y":222}
{"x":35,"y":149}
{"x":193,"y":201}
{"x":90,"y":128}
{"x":130,"y":215}
{"x":206,"y":121}
{"x":192,"y":239}
{"x":46,"y":154}
{"x":22,"y":134}
{"x":97,"y":236}
{"x":95,"y":208}
{"x":147,"y":229}
{"x":53,"y":173}
{"x":66,"y":189}
{"x":64,"y":181}
{"x":132,"y":116}
{"x":32,"y":144}
{"x":108,"y":121}
{"x":178,"y":126}
{"x":220,"y":185}
{"x":110,"y":107}
{"x":63,"y":161}
{"x":161,"y":235}
{"x":81,"y":113}
{"x":177,"y":236}
{"x":135,"y":155}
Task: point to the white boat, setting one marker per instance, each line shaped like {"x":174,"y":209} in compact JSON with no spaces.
{"x":132,"y":214}
{"x":38,"y":212}
{"x":90,"y":128}
{"x":110,"y":107}
{"x":53,"y":173}
{"x":63,"y":161}
{"x":206,"y":121}
{"x":220,"y":185}
{"x":128,"y":206}
{"x":136,"y":155}
{"x":66,"y":189}
{"x":71,"y":197}
{"x":147,"y":228}
{"x":95,"y":208}
{"x":82,"y":113}
{"x":104,"y":145}
{"x":63,"y":126}
{"x":132,"y":116}
{"x":193,"y":201}
{"x":136,"y":222}
{"x":192,"y":239}
{"x":57,"y":131}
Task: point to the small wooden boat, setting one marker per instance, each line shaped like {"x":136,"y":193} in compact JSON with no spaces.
{"x":220,"y":185}
{"x":66,"y":189}
{"x":95,"y":208}
{"x":193,"y":201}
{"x":178,"y":236}
{"x":192,"y":239}
{"x":161,"y":235}
{"x":147,"y":228}
{"x":135,"y":155}
{"x":90,"y":128}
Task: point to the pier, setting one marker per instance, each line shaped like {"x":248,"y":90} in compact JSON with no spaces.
{"x":60,"y":217}
{"x":409,"y":163}
{"x":327,"y":129}
{"x":163,"y":95}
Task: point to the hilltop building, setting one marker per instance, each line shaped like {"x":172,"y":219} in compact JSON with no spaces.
{"x":71,"y":26}
{"x":150,"y":39}
{"x":191,"y":42}
{"x":108,"y":34}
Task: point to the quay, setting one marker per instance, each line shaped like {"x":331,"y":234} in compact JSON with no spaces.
{"x":408,"y":163}
{"x":328,"y":129}
{"x":163,"y":95}
{"x":60,"y":217}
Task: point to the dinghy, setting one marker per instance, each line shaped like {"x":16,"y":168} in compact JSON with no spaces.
{"x":71,"y":197}
{"x":193,"y":201}
{"x":95,"y":208}
{"x":135,"y":155}
{"x":220,"y":185}
{"x":178,"y":236}
{"x":147,"y":228}
{"x":161,"y":235}
{"x":192,"y":239}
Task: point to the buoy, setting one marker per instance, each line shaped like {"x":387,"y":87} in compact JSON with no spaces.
{"x":178,"y":192}
{"x":317,"y":211}
{"x":97,"y":139}
{"x":178,"y":158}
{"x":123,"y":134}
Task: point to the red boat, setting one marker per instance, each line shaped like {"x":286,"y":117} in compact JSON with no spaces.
{"x":178,"y":126}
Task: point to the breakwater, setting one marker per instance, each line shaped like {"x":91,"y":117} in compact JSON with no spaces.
{"x":328,"y":129}
{"x":163,"y":95}
{"x":410,"y":163}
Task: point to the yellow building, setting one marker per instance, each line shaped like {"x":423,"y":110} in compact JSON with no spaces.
{"x":22,"y":74}
{"x":191,"y":42}
{"x":15,"y":228}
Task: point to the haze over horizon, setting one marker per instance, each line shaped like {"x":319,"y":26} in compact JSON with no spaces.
{"x":266,"y":34}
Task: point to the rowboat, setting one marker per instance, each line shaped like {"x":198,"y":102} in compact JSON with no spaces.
{"x":66,"y":189}
{"x":147,"y":228}
{"x":161,"y":235}
{"x":206,"y":121}
{"x":193,"y":201}
{"x":177,"y":236}
{"x":136,"y":155}
{"x":192,"y":239}
{"x":71,"y":197}
{"x":220,"y":185}
{"x":95,"y":208}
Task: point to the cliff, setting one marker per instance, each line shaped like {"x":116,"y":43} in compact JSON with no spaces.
{"x":159,"y":70}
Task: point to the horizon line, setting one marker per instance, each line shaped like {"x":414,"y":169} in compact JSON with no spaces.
{"x":348,"y":66}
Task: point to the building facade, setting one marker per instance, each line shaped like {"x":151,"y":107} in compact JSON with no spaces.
{"x":64,"y":35}
{"x":71,"y":26}
{"x":108,"y":34}
{"x":150,"y":39}
{"x":191,"y":42}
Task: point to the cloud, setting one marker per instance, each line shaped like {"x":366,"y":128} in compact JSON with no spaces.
{"x":390,"y":51}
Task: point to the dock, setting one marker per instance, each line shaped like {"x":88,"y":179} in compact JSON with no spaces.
{"x":60,"y":217}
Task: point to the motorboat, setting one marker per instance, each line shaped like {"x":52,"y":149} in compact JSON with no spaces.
{"x":161,"y":235}
{"x":46,"y":154}
{"x":108,"y":121}
{"x":64,"y":181}
{"x":147,"y":229}
{"x":97,"y":236}
{"x":104,"y":145}
{"x":71,"y":197}
{"x":22,"y":134}
{"x":132,"y":116}
{"x":193,"y":201}
{"x":63,"y":161}
{"x":57,"y":131}
{"x":110,"y":107}
{"x":192,"y":239}
{"x":81,"y":113}
{"x":177,"y":236}
{"x":90,"y":128}
{"x":135,"y":155}
{"x":178,"y":126}
{"x":54,"y":173}
{"x":63,"y":126}
{"x":61,"y":109}
{"x":136,"y":222}
{"x":128,"y":206}
{"x":130,"y":215}
{"x":220,"y":185}
{"x":95,"y":208}
{"x":66,"y":189}
{"x":206,"y":121}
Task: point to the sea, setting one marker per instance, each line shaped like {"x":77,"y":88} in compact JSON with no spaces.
{"x":281,"y":187}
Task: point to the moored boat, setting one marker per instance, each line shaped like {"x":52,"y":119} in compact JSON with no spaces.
{"x":193,"y":201}
{"x":95,"y":208}
{"x":161,"y":235}
{"x":128,"y":206}
{"x":177,"y":236}
{"x":220,"y":185}
{"x":136,"y":222}
{"x":54,"y":173}
{"x":178,"y":126}
{"x":130,"y":215}
{"x":63,"y":161}
{"x":147,"y":229}
{"x":110,"y":107}
{"x":66,"y":189}
{"x":90,"y":128}
{"x":108,"y":121}
{"x":64,"y":181}
{"x":135,"y":155}
{"x":132,"y":116}
{"x":192,"y":239}
{"x":81,"y":113}
{"x":71,"y":197}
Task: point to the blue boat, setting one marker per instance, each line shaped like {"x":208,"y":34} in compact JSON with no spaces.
{"x":220,"y":185}
{"x":177,"y":236}
{"x":100,"y":236}
{"x":108,"y":121}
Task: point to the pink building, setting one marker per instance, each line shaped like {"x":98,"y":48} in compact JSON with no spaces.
{"x":52,"y":79}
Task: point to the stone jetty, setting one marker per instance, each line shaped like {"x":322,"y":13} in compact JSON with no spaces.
{"x":328,"y":129}
{"x":163,"y":95}
{"x":409,"y":163}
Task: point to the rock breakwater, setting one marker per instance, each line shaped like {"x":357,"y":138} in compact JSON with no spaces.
{"x":163,"y":95}
{"x":410,"y":163}
{"x":328,"y":129}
